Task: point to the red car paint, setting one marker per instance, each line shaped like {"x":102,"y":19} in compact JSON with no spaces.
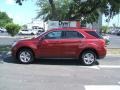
{"x":64,"y":47}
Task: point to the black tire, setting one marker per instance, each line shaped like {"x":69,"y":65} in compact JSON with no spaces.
{"x":88,"y":58}
{"x":29,"y":55}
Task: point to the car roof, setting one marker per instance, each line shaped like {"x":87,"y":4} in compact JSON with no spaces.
{"x":73,"y":28}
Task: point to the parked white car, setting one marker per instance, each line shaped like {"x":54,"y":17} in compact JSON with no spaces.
{"x":27,"y":32}
{"x":2,"y":30}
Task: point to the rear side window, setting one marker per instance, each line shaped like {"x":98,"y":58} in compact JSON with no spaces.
{"x":72,"y":34}
{"x":93,"y":33}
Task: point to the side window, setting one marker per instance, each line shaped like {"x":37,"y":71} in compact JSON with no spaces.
{"x":54,"y":35}
{"x":72,"y":34}
{"x":93,"y":33}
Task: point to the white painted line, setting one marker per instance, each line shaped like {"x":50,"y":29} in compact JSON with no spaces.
{"x":94,"y":67}
{"x":110,"y":66}
{"x":98,"y":67}
{"x":102,"y":87}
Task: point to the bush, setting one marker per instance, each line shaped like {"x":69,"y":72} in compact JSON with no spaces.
{"x":12,"y":28}
{"x":104,"y":29}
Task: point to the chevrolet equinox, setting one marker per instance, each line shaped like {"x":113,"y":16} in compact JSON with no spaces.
{"x":65,"y":43}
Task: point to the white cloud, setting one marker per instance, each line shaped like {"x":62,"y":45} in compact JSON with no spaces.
{"x":10,"y":2}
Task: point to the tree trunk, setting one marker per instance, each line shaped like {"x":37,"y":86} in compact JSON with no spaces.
{"x":53,"y":9}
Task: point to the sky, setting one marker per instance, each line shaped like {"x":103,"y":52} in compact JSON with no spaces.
{"x":115,"y":20}
{"x":20,"y":14}
{"x":25,"y":13}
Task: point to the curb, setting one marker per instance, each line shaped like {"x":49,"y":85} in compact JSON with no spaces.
{"x":118,"y":55}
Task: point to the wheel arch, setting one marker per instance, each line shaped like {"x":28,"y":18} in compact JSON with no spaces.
{"x":22,"y":48}
{"x":89,"y":49}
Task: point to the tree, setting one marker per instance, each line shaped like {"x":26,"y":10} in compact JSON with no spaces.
{"x":4,"y":19}
{"x":19,"y":2}
{"x":91,"y":8}
{"x":24,"y":26}
{"x":62,"y":7}
{"x":51,"y":2}
{"x":105,"y":29}
{"x":12,"y":28}
{"x":87,"y":11}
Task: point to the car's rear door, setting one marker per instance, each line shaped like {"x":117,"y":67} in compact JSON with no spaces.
{"x":71,"y":41}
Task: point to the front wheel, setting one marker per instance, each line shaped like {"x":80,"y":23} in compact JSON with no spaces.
{"x":88,"y":58}
{"x":25,"y":56}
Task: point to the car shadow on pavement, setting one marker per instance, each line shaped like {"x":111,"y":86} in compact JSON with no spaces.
{"x":73,"y":62}
{"x":10,"y":59}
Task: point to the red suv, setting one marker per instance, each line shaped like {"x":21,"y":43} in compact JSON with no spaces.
{"x":75,"y":43}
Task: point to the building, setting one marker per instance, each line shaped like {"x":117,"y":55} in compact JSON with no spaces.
{"x":35,"y":24}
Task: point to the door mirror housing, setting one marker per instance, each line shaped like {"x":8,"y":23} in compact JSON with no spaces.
{"x":42,"y":38}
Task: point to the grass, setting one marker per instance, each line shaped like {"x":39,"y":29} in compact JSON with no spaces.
{"x":5,"y":48}
{"x":114,"y":51}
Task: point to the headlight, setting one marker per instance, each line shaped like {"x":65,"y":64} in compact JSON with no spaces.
{"x":14,"y":44}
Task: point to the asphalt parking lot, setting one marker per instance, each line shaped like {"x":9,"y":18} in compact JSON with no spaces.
{"x":59,"y":74}
{"x":6,"y":39}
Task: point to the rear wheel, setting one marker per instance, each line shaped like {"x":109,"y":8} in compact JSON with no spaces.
{"x":25,"y":56}
{"x":88,"y":58}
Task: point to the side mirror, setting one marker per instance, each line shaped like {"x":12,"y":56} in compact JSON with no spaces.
{"x":42,"y":38}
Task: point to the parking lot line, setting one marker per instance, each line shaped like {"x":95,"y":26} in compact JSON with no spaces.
{"x":119,"y":82}
{"x":98,"y":67}
{"x":102,"y":87}
{"x":94,"y":67}
{"x":110,"y":66}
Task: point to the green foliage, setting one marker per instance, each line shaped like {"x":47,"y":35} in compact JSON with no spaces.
{"x":19,"y":1}
{"x":105,"y":29}
{"x":86,"y":12}
{"x":61,"y":9}
{"x":12,"y":28}
{"x":24,"y":26}
{"x":4,"y":19}
{"x":90,"y":9}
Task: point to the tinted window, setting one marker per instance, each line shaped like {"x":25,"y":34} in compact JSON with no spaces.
{"x":72,"y":34}
{"x":54,"y":35}
{"x":93,"y":33}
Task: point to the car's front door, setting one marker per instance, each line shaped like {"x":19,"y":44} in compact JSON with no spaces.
{"x":50,"y":46}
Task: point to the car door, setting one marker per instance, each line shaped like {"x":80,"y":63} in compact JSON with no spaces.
{"x":50,"y":46}
{"x":71,"y":41}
